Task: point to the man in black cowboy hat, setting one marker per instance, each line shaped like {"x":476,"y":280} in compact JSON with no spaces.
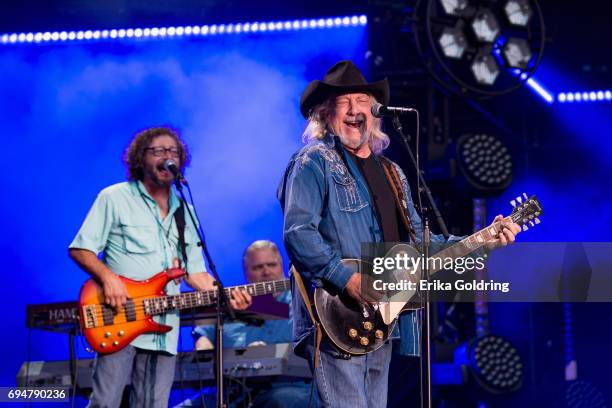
{"x":337,"y":193}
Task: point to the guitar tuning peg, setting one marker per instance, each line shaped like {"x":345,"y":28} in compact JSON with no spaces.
{"x":525,"y":195}
{"x":537,"y":220}
{"x":519,"y":199}
{"x":525,"y":227}
{"x":513,"y":203}
{"x":531,"y":223}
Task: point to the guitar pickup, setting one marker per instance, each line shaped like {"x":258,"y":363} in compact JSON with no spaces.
{"x":108,"y":315}
{"x":130,"y":310}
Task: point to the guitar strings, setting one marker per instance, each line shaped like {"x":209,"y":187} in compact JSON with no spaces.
{"x":210,"y":294}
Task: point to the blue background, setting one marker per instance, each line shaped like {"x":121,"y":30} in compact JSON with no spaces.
{"x":69,"y":111}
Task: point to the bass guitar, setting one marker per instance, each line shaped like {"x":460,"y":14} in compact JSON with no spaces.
{"x":107,"y":331}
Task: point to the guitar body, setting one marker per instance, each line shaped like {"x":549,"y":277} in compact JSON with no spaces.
{"x":107,"y":332}
{"x":360,"y":329}
{"x":353,"y":328}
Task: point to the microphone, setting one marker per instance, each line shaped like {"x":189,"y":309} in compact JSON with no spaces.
{"x":170,"y":165}
{"x":379,"y":110}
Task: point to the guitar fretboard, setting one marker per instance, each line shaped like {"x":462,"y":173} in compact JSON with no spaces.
{"x":163,"y":304}
{"x":471,"y":243}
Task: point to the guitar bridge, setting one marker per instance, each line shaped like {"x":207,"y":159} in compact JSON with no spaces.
{"x":90,"y":319}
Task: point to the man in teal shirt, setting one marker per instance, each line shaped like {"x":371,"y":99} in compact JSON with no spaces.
{"x":133,"y":224}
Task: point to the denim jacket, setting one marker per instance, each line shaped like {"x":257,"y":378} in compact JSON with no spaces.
{"x":328,"y":213}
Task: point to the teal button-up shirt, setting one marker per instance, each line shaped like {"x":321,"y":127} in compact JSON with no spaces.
{"x":125,"y":224}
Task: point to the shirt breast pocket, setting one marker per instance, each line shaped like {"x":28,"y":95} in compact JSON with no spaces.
{"x":138,"y":239}
{"x":347,"y":193}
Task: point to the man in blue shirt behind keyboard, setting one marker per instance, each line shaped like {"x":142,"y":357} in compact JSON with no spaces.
{"x":262,"y":262}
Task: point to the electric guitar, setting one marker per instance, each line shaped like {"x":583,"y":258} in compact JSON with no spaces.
{"x":360,"y":329}
{"x":108,"y":332}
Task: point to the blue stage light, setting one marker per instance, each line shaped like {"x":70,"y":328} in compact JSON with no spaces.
{"x":90,"y":35}
{"x":540,"y":90}
{"x":584,"y":96}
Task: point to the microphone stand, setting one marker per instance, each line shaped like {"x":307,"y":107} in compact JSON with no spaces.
{"x":426,"y":395}
{"x":223,"y":307}
{"x":423,"y":188}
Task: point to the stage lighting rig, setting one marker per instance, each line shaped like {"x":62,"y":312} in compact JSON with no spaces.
{"x":518,"y":12}
{"x":516,"y":53}
{"x":485,"y":26}
{"x":485,"y":68}
{"x":494,"y":363}
{"x":475,"y":47}
{"x":453,"y":42}
{"x":485,"y":162}
{"x":454,"y":7}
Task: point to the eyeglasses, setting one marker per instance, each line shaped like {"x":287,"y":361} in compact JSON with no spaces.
{"x":161,"y":151}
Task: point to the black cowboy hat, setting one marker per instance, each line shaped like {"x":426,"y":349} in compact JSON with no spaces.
{"x":343,"y":77}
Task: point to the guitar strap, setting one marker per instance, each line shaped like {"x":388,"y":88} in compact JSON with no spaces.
{"x":395,"y":182}
{"x":179,"y":217}
{"x":401,"y":201}
{"x":317,"y":325}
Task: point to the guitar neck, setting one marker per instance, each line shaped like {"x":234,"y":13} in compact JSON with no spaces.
{"x":189,"y":300}
{"x":469,"y":244}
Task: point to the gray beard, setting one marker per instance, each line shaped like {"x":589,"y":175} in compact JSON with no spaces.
{"x":354,"y":144}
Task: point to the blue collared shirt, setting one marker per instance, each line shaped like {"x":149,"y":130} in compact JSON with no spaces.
{"x":239,"y":335}
{"x":328,"y":214}
{"x":125,"y":224}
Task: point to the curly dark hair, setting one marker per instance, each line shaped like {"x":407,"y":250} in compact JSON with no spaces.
{"x":133,"y":157}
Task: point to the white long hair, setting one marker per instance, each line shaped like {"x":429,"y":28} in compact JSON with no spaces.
{"x":320,"y":119}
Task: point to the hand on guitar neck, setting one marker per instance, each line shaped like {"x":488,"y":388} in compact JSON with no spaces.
{"x":507,"y":231}
{"x":203,"y":281}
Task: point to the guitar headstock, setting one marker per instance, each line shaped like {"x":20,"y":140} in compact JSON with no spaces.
{"x":526,"y":211}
